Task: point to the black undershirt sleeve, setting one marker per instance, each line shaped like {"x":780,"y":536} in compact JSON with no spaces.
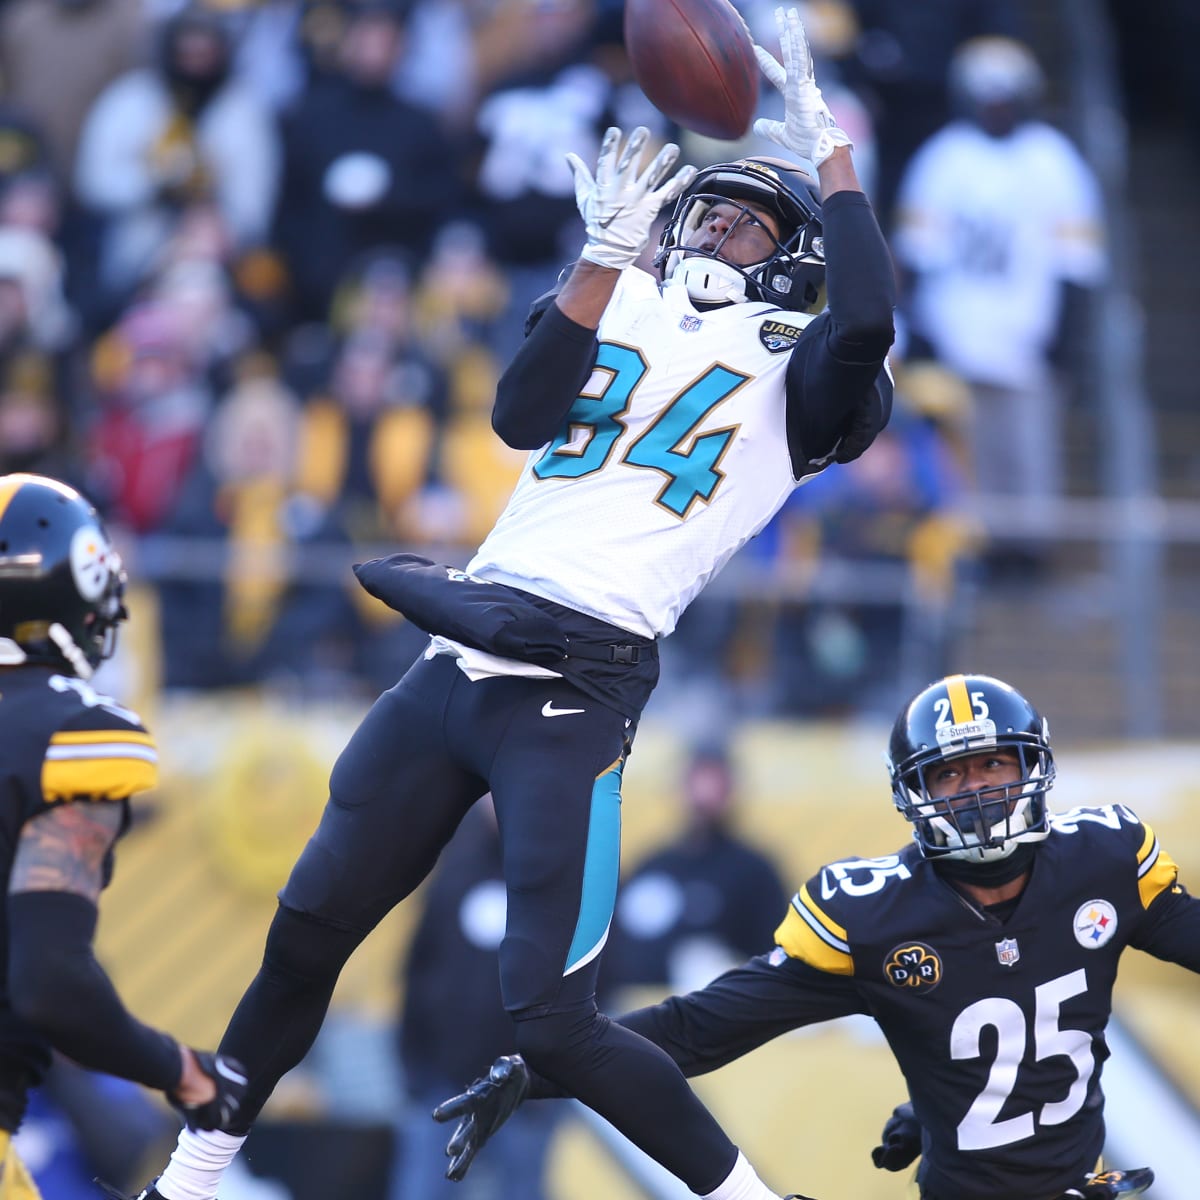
{"x":58,"y":987}
{"x":1170,"y":929}
{"x":543,"y":380}
{"x":838,"y":394}
{"x":737,"y":1012}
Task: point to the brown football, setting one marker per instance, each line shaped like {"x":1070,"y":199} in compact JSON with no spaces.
{"x":695,"y":61}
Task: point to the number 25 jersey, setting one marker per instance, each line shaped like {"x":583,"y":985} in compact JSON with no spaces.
{"x":999,"y":1026}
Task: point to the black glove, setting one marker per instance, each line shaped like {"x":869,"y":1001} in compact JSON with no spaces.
{"x":230,"y":1077}
{"x":901,"y":1140}
{"x":481,"y":1110}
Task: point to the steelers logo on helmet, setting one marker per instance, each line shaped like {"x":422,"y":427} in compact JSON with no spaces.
{"x":91,"y":559}
{"x":62,"y":586}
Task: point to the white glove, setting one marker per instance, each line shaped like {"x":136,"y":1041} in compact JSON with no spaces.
{"x":619,"y":206}
{"x":808,"y":128}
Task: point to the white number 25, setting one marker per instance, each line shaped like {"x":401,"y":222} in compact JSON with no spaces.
{"x":980,"y":1129}
{"x":942,"y":707}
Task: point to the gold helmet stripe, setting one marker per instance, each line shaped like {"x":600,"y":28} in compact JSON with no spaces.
{"x":11,"y":484}
{"x":961,"y":710}
{"x":8,"y":489}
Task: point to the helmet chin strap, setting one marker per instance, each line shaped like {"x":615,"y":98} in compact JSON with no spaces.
{"x":70,"y":651}
{"x":710,"y":281}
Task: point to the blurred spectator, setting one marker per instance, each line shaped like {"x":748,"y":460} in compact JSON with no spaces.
{"x":460,"y":300}
{"x":453,"y":1022}
{"x":999,"y":228}
{"x":162,"y":136}
{"x":898,"y":64}
{"x":556,"y":94}
{"x":56,"y":56}
{"x":38,"y":363}
{"x":255,"y":611}
{"x":881,"y":548}
{"x":369,"y":429}
{"x":152,"y":406}
{"x":23,"y":149}
{"x":704,"y":901}
{"x":368,"y":448}
{"x":362,"y":168}
{"x":33,"y":428}
{"x":33,"y":311}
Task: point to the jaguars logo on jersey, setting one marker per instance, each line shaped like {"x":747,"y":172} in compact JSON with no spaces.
{"x":779,"y":336}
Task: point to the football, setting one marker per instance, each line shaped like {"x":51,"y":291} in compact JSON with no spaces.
{"x":695,"y":61}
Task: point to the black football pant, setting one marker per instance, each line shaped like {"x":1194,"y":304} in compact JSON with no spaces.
{"x":552,"y":758}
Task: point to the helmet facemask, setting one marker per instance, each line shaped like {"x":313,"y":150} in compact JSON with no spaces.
{"x":984,"y":824}
{"x":791,"y":275}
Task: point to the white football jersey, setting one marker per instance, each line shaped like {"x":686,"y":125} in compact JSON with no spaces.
{"x":992,"y":226}
{"x":674,"y":456}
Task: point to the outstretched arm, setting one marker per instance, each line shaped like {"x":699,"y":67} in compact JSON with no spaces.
{"x":618,"y":205}
{"x":838,"y":397}
{"x":58,"y":987}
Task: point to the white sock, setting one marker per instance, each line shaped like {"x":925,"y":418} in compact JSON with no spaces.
{"x":742,"y":1183}
{"x":197,"y":1164}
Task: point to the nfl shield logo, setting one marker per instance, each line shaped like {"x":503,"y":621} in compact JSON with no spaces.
{"x":689,"y":324}
{"x":1007,"y":951}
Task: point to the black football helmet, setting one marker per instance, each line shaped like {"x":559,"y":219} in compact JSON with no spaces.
{"x":793,"y":277}
{"x":61,"y":582}
{"x":957,"y":716}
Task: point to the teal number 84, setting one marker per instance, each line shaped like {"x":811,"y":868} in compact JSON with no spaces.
{"x":594,"y":424}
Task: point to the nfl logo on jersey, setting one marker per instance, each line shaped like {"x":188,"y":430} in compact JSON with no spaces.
{"x":1008,"y":952}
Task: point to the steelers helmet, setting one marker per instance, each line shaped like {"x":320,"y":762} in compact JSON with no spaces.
{"x":955,"y":717}
{"x":793,"y":276}
{"x":61,"y":581}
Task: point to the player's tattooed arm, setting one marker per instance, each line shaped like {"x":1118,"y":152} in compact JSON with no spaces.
{"x":65,"y":848}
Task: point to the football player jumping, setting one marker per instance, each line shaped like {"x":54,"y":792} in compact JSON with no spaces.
{"x":667,"y":421}
{"x":70,"y":759}
{"x":986,"y":950}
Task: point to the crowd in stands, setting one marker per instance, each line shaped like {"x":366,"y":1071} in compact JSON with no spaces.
{"x":261,"y":262}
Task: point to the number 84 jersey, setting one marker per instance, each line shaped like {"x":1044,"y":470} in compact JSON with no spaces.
{"x":673,"y":456}
{"x":997,"y":1025}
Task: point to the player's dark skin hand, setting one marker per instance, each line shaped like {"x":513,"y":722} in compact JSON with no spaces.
{"x":481,"y":1110}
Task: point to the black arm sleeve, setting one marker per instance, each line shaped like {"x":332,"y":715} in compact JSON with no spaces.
{"x":837,"y":389}
{"x":57,"y":986}
{"x":737,"y":1012}
{"x":543,"y":380}
{"x":741,"y":1010}
{"x":1170,"y":929}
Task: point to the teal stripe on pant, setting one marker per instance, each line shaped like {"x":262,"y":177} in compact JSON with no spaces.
{"x":600,"y":871}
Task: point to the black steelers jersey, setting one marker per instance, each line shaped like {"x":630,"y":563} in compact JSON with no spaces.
{"x":61,"y":742}
{"x":997,"y":1026}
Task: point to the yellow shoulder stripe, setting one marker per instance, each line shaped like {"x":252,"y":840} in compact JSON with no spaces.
{"x":94,"y":737}
{"x":813,"y":937}
{"x":1156,"y":869}
{"x":103,"y":778}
